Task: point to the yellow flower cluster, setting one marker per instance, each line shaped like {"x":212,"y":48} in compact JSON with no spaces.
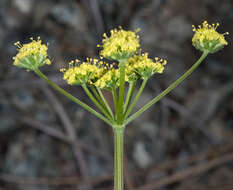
{"x":120,"y":45}
{"x":206,"y":38}
{"x":110,"y":80}
{"x":31,"y":55}
{"x":85,"y":73}
{"x":140,"y":66}
{"x":92,"y":72}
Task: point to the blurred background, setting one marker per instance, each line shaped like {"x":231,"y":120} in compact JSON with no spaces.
{"x":183,"y":142}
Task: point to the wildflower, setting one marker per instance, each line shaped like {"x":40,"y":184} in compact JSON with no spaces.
{"x":31,"y":55}
{"x":110,"y":80}
{"x":120,"y":45}
{"x":85,"y":73}
{"x":206,"y":38}
{"x":140,"y":66}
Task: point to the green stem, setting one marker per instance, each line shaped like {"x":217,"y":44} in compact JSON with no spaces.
{"x":136,"y":98}
{"x":114,"y":95}
{"x":105,"y":102}
{"x":130,"y":92}
{"x":69,"y":96}
{"x":98,"y":98}
{"x":167,"y":90}
{"x":118,"y":158}
{"x":101,"y":108}
{"x":96,"y":95}
{"x":121,"y":91}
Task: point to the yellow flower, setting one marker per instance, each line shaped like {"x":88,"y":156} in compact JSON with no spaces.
{"x":206,"y":38}
{"x":85,"y":73}
{"x":121,"y":44}
{"x":110,"y":80}
{"x":140,"y":66}
{"x":31,"y":55}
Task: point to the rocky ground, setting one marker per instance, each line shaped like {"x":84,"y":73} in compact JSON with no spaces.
{"x":48,"y":143}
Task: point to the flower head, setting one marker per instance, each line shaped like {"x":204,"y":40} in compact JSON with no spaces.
{"x":206,"y":38}
{"x":110,"y":80}
{"x":121,"y":44}
{"x":31,"y":55}
{"x":140,"y":66}
{"x":83,"y":73}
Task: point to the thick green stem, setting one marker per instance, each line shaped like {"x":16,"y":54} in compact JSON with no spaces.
{"x":167,"y":90}
{"x":130,"y":92}
{"x":120,"y":111}
{"x":136,"y":98}
{"x":69,"y":96}
{"x":100,"y":107}
{"x":118,"y":158}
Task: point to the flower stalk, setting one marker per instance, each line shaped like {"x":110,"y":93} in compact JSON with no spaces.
{"x":71,"y":97}
{"x":115,"y":99}
{"x":100,"y":107}
{"x":136,"y":98}
{"x":105,"y":102}
{"x":120,"y":111}
{"x":167,"y":90}
{"x":130,"y":92}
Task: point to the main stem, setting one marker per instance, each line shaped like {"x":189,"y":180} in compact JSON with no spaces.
{"x":118,"y":158}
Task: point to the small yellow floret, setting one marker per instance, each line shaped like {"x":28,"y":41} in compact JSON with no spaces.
{"x":206,"y":38}
{"x":85,"y":73}
{"x":144,"y":67}
{"x":31,"y":55}
{"x":121,"y":44}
